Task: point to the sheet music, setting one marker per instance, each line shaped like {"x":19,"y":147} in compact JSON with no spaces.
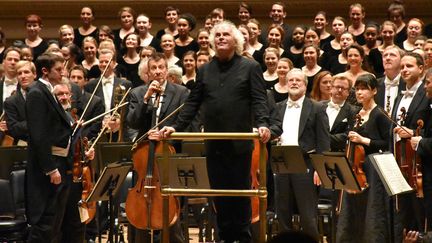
{"x":390,"y":173}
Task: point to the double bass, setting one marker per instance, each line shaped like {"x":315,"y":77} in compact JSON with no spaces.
{"x":144,"y":200}
{"x":356,"y":156}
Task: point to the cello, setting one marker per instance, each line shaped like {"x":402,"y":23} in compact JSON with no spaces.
{"x":355,"y":154}
{"x":144,"y":200}
{"x":5,"y":139}
{"x":416,"y":173}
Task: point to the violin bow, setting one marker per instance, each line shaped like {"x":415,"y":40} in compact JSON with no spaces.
{"x":93,"y":94}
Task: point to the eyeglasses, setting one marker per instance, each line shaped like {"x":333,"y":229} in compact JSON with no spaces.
{"x":63,"y":94}
{"x":340,"y":88}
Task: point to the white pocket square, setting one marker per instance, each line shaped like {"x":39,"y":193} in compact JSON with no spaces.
{"x":345,"y":120}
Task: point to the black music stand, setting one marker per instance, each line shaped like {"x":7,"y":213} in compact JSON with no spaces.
{"x":187,"y":172}
{"x":108,"y":153}
{"x":335,"y":172}
{"x":287,"y":159}
{"x":106,"y":188}
{"x":11,"y":157}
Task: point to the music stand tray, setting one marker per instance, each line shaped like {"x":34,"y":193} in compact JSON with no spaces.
{"x":335,"y":172}
{"x":114,"y":152}
{"x":287,"y":159}
{"x":9,"y":156}
{"x":187,"y":172}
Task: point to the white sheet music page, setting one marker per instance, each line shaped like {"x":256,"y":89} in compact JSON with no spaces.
{"x":390,"y":173}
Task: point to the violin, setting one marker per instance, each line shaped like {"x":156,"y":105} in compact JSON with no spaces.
{"x":356,"y":156}
{"x":144,"y":201}
{"x":255,"y":173}
{"x":405,"y":155}
{"x":82,"y":173}
{"x":5,"y":139}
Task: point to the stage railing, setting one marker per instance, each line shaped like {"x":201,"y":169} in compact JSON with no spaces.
{"x":261,"y":192}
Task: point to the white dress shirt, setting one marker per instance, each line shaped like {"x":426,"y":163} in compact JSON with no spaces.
{"x":291,"y":122}
{"x":406,"y":102}
{"x":107,"y":87}
{"x":9,"y":86}
{"x":333,"y":111}
{"x":391,"y":90}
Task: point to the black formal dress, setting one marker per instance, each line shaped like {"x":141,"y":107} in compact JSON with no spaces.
{"x":364,"y":216}
{"x":48,"y":126}
{"x":298,"y":189}
{"x":232,"y":98}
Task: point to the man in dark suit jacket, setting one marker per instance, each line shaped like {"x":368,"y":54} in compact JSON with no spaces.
{"x":47,"y":172}
{"x":340,"y":113}
{"x":416,"y":103}
{"x":230,"y":91}
{"x":8,"y":83}
{"x":391,"y":85}
{"x":78,"y":76}
{"x":14,"y":106}
{"x":423,"y":145}
{"x":140,"y":115}
{"x":106,"y":89}
{"x":278,"y":14}
{"x":309,"y":120}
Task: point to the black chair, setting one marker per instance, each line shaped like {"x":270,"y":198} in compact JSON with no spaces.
{"x":13,"y":227}
{"x":17,"y":180}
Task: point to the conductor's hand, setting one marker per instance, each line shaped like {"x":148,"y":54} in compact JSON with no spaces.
{"x":55,"y":177}
{"x":166,"y":131}
{"x":264,"y":133}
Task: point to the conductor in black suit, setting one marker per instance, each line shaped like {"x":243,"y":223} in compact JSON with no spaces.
{"x":305,"y":124}
{"x":340,"y":113}
{"x":14,"y":106}
{"x":230,"y":90}
{"x":48,"y":170}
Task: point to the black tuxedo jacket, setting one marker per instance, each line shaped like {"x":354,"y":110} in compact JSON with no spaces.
{"x":48,"y":126}
{"x":418,"y":109}
{"x":313,"y":134}
{"x":16,"y":120}
{"x":380,"y":96}
{"x":342,"y":125}
{"x":91,"y":85}
{"x":139,"y":115}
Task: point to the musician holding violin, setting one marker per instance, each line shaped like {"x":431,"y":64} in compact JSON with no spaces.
{"x":73,"y":230}
{"x":142,"y":112}
{"x":423,"y":147}
{"x":412,"y":105}
{"x":363,"y":216}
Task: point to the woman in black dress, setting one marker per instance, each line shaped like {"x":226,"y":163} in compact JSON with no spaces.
{"x":203,"y":42}
{"x":185,"y":42}
{"x":388,"y":33}
{"x":364,"y":215}
{"x":171,"y":17}
{"x":295,"y":52}
{"x":87,"y":28}
{"x":127,"y":17}
{"x":414,"y":28}
{"x":130,"y":60}
{"x":280,"y":89}
{"x":320,"y":25}
{"x":337,"y":63}
{"x":90,"y":62}
{"x":34,"y":26}
{"x":255,"y":28}
{"x":357,"y":27}
{"x":396,"y":14}
{"x":311,"y":67}
{"x":338,"y":27}
{"x":271,"y":58}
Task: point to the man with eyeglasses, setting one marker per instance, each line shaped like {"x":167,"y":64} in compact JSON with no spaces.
{"x":340,"y":113}
{"x":305,"y":124}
